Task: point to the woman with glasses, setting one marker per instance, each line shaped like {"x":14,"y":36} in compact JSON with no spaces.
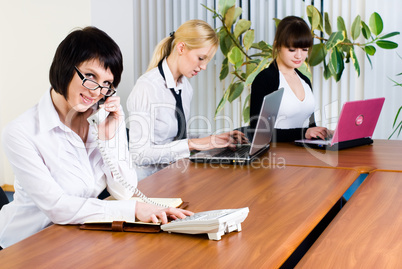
{"x":54,"y":151}
{"x":159,"y":104}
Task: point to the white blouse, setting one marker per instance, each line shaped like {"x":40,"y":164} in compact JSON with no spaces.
{"x":294,"y":113}
{"x":58,"y":177}
{"x":152,"y":120}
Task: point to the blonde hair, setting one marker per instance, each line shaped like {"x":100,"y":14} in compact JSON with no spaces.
{"x":194,"y":33}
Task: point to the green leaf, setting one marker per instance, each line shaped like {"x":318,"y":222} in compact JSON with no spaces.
{"x":341,"y":26}
{"x":385,"y":44}
{"x":224,"y":5}
{"x":399,"y":126}
{"x":229,"y":17}
{"x":328,"y":27}
{"x":355,"y":61}
{"x":389,"y":35}
{"x":304,"y":69}
{"x":318,"y":54}
{"x":396,"y":117}
{"x":238,"y":12}
{"x":265,"y":54}
{"x":335,"y":39}
{"x":336,"y":65}
{"x":368,"y":58}
{"x":264,"y":46}
{"x":370,"y":50}
{"x":355,"y":31}
{"x":246,"y":109}
{"x":376,"y":24}
{"x":277,"y":21}
{"x":344,"y":48}
{"x":315,"y":18}
{"x":241,"y":26}
{"x":327,"y":73}
{"x":225,"y":41}
{"x":365,"y":30}
{"x":222,"y":102}
{"x":309,"y":11}
{"x":224,"y":70}
{"x":396,"y":129}
{"x":263,"y":64}
{"x":235,"y":57}
{"x":248,"y":39}
{"x":396,"y":83}
{"x":250,"y":66}
{"x":235,"y":90}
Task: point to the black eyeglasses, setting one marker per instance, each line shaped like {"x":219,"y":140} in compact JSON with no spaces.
{"x":93,"y":85}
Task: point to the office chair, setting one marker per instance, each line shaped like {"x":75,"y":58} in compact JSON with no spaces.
{"x":3,"y":198}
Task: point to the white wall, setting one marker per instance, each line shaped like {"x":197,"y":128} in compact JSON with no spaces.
{"x":119,"y":24}
{"x":30,"y":32}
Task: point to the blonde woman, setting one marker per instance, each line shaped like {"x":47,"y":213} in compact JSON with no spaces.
{"x":158,"y":134}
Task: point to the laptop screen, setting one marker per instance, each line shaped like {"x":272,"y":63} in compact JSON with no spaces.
{"x":266,"y":121}
{"x":358,"y":119}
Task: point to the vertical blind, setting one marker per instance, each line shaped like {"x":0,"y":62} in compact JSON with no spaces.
{"x":155,"y":19}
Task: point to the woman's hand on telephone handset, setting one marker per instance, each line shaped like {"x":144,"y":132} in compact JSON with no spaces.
{"x":152,"y":213}
{"x":107,"y":128}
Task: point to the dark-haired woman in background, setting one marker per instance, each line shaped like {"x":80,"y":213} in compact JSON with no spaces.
{"x":293,"y":41}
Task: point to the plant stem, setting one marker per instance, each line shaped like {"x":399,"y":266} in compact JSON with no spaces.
{"x":235,"y":41}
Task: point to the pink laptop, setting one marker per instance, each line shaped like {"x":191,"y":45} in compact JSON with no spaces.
{"x":355,"y":127}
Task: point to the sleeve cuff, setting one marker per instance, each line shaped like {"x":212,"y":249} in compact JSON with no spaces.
{"x":121,"y":210}
{"x":182,"y":150}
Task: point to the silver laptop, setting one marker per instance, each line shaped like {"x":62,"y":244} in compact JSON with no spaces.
{"x":246,"y":153}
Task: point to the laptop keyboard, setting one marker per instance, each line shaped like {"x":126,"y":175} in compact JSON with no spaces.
{"x":241,"y":151}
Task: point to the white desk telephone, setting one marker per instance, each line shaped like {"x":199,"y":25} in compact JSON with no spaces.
{"x":215,"y":223}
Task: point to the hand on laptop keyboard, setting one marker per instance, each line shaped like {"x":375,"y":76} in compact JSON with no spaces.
{"x":319,"y":133}
{"x":228,"y":139}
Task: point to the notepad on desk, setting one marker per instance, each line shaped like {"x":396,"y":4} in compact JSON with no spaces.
{"x":170,"y":202}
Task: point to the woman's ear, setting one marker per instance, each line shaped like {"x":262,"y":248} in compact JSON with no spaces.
{"x":180,"y":47}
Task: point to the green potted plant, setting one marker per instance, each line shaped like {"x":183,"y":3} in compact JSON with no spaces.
{"x":244,"y":58}
{"x":397,"y":125}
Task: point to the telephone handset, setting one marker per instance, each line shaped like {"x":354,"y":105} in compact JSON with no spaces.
{"x":100,"y":115}
{"x":97,"y":117}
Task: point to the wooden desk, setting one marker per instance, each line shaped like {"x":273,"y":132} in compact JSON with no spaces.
{"x":382,"y":154}
{"x":367,"y":233}
{"x":285,"y":205}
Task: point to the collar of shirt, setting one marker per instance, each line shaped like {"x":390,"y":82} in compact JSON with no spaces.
{"x":48,"y":116}
{"x":169,"y":78}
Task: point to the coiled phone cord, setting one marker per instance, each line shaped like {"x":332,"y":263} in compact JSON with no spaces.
{"x":117,"y":174}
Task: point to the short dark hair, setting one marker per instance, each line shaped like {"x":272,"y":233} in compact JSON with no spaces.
{"x":81,"y":45}
{"x":292,"y":32}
